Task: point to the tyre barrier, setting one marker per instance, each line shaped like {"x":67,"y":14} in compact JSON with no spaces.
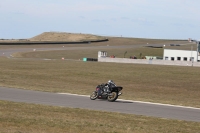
{"x":90,"y":59}
{"x":49,"y":42}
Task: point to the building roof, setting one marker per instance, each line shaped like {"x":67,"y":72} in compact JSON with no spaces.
{"x":188,"y":46}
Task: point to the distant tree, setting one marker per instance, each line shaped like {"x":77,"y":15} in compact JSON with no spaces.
{"x":140,"y":55}
{"x":125,"y":54}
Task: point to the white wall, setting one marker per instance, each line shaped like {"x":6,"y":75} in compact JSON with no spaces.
{"x":180,"y":53}
{"x":152,"y":62}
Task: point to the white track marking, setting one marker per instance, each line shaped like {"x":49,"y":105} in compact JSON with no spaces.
{"x":170,"y":105}
{"x":74,"y":94}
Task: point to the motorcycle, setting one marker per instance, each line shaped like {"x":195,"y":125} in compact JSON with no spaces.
{"x":109,"y":91}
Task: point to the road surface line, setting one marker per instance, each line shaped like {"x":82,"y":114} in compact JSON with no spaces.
{"x":179,"y":106}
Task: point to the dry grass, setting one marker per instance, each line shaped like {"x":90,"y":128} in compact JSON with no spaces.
{"x":62,"y":36}
{"x":92,"y":53}
{"x":59,"y":36}
{"x":165,"y":84}
{"x":76,"y":37}
{"x":30,"y":118}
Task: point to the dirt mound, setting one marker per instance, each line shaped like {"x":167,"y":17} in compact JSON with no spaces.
{"x":63,"y":36}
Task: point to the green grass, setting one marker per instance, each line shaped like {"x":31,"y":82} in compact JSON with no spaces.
{"x":31,"y":118}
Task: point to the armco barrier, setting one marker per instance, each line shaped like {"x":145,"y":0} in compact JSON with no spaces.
{"x":153,"y":62}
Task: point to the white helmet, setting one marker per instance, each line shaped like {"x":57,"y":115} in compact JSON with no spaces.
{"x":110,"y":81}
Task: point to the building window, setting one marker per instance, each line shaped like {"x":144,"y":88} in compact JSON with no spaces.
{"x":178,"y":58}
{"x":172,"y":58}
{"x":166,"y":58}
{"x":185,"y":58}
{"x":191,"y":58}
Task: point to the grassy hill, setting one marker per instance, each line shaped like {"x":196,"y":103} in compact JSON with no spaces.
{"x":59,"y":36}
{"x":63,"y":36}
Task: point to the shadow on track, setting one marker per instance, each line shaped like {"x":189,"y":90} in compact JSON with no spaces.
{"x":117,"y":101}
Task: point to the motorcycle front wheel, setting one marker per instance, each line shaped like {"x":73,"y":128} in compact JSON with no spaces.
{"x":112,"y":96}
{"x":94,"y":95}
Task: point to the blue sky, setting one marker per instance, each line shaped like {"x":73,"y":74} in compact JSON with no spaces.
{"x":162,"y":19}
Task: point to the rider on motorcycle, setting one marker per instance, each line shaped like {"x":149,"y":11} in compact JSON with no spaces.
{"x":107,"y":91}
{"x":110,"y":84}
{"x":106,"y":87}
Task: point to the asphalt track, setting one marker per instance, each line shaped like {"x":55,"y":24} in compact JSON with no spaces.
{"x":76,"y":101}
{"x":120,"y":106}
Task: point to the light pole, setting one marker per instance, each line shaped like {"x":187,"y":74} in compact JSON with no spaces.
{"x":192,"y":55}
{"x":198,"y":49}
{"x":163,"y":51}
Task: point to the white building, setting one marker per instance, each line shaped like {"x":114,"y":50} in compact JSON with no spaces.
{"x":102,"y":54}
{"x":181,"y":55}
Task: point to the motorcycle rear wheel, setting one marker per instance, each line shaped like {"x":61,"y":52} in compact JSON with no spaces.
{"x":113,"y":96}
{"x":94,"y":95}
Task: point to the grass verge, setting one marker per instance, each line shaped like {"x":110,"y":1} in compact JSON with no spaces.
{"x":32,"y":118}
{"x":165,"y":84}
{"x":154,"y":83}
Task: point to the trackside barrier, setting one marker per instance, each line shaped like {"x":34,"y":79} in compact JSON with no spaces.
{"x":49,"y":42}
{"x":90,"y":59}
{"x":152,"y":62}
